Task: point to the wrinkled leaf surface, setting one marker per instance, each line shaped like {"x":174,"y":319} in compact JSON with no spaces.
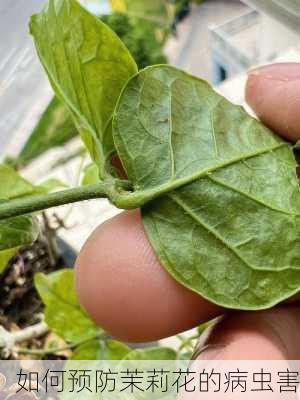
{"x":226,"y":223}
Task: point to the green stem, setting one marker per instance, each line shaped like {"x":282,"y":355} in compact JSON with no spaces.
{"x":26,"y":205}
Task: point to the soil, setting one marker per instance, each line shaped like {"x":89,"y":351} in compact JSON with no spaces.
{"x":20,"y":304}
{"x":19,"y":301}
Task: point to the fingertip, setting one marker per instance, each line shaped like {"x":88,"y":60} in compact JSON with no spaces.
{"x":263,"y":335}
{"x":273,"y":92}
{"x":126,"y":291}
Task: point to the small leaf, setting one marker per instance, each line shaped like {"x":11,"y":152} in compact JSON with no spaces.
{"x":226,"y":219}
{"x":63,"y":313}
{"x":87,"y":65}
{"x":18,"y":231}
{"x":151,"y":353}
{"x":6,"y":256}
{"x":50,"y":185}
{"x":12,"y":184}
{"x":15,"y":232}
{"x":90,"y":175}
{"x":101,"y":350}
{"x":201,"y":328}
{"x":54,"y":129}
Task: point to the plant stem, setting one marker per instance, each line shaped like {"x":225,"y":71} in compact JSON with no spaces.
{"x":9,"y":339}
{"x":53,"y":350}
{"x":26,"y":205}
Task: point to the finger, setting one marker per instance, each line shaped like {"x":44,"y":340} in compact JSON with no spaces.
{"x":124,"y":288}
{"x":264,"y":335}
{"x":273,"y":92}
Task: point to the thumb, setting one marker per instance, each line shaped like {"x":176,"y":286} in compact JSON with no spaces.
{"x":273,"y":92}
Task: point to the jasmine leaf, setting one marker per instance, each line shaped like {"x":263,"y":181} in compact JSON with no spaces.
{"x":225,"y":221}
{"x":90,"y":175}
{"x":17,"y":231}
{"x":101,"y":350}
{"x":87,"y":65}
{"x":63,"y":313}
{"x":54,"y":129}
{"x":50,"y":185}
{"x":12,"y":184}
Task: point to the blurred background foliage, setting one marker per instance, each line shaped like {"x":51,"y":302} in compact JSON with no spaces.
{"x":139,"y":36}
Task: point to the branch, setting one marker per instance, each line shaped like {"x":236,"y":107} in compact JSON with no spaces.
{"x":9,"y":339}
{"x":53,"y":350}
{"x":29,"y":204}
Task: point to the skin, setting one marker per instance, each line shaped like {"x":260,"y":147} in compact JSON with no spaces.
{"x":124,"y":288}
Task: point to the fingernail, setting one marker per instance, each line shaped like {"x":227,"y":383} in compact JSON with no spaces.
{"x":284,"y":72}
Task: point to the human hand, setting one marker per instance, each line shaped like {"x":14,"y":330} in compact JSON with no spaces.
{"x":122,"y":285}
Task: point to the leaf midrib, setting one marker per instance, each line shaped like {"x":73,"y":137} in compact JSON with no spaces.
{"x":78,"y":113}
{"x":141,"y":197}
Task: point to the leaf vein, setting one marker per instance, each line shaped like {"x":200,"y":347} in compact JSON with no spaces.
{"x":216,"y":234}
{"x":245,"y":194}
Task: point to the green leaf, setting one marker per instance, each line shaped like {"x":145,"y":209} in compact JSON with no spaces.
{"x":63,"y":313}
{"x":54,"y":129}
{"x":201,"y":328}
{"x":6,"y":256}
{"x":50,"y":185}
{"x":15,"y":232}
{"x":101,"y":350}
{"x":151,"y":353}
{"x":12,"y":184}
{"x":87,"y":65}
{"x":18,"y":231}
{"x":226,"y":219}
{"x":90,"y":175}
